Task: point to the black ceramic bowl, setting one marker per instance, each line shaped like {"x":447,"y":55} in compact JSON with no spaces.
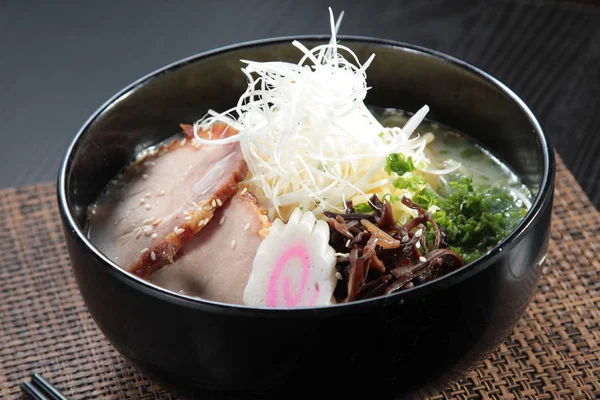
{"x":407,"y":344}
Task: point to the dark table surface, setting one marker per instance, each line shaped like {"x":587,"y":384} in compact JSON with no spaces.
{"x":60,"y":62}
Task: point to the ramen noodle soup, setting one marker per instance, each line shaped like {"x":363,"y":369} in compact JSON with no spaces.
{"x":303,"y":196}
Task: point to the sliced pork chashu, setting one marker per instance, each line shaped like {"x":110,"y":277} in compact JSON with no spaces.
{"x":162,"y":200}
{"x":216,"y":263}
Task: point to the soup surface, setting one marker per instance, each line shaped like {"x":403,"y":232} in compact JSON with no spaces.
{"x":474,"y":207}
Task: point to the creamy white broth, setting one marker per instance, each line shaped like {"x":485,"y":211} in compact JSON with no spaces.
{"x":475,"y":160}
{"x":208,"y":267}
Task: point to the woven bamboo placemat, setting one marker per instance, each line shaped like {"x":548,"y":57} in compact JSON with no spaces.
{"x":553,"y":353}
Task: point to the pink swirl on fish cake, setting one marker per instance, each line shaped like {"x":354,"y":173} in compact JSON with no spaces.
{"x":296,"y":251}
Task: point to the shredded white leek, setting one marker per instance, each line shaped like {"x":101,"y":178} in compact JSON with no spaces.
{"x":305,"y":132}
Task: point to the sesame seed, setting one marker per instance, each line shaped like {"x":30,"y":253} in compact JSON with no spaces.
{"x":183,"y":141}
{"x":202,"y":223}
{"x":418,"y":245}
{"x":148,"y":230}
{"x":179,"y":231}
{"x":222,"y":221}
{"x":158,"y":221}
{"x":422,"y":259}
{"x":338,"y":276}
{"x":153,"y":256}
{"x":142,"y":200}
{"x":148,"y":194}
{"x":419,"y":232}
{"x":154,"y":236}
{"x":145,"y":176}
{"x":244,"y":191}
{"x":247,"y":226}
{"x":219,"y":202}
{"x":233,"y":244}
{"x":161,"y":193}
{"x":148,"y":206}
{"x":188,"y":218}
{"x":145,"y":249}
{"x":208,"y":208}
{"x":404,"y":238}
{"x":348,"y":243}
{"x":213,"y":203}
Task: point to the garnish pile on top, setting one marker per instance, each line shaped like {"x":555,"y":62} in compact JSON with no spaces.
{"x":307,"y":136}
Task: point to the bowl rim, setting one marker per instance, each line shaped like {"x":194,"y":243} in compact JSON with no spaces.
{"x":543,"y":196}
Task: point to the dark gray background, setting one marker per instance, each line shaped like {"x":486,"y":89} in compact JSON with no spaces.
{"x":61,"y":61}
